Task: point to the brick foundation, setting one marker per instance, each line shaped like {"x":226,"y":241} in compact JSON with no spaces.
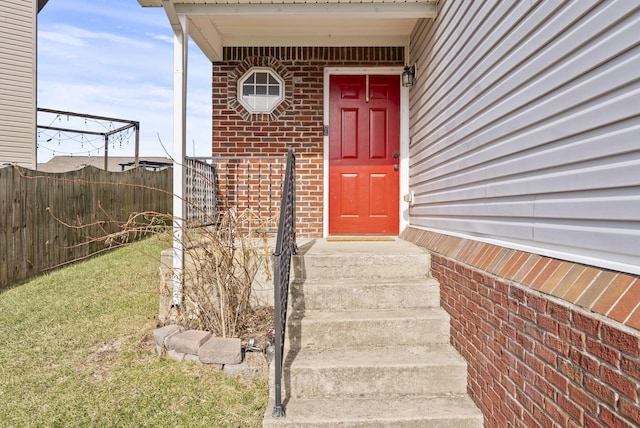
{"x":536,"y":359}
{"x":297,"y":122}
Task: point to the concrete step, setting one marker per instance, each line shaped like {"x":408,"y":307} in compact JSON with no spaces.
{"x":367,"y":344}
{"x":362,"y":328}
{"x":443,"y":411}
{"x":365,"y":293}
{"x":371,"y":372}
{"x":335,"y":260}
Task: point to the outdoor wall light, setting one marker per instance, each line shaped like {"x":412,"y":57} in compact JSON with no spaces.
{"x":409,"y":76}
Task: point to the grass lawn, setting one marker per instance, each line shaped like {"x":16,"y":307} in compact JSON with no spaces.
{"x":76,"y":349}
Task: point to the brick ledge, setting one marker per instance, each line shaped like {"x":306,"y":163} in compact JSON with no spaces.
{"x":615,"y":295}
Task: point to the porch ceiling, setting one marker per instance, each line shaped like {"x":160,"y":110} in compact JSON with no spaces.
{"x":214,"y":24}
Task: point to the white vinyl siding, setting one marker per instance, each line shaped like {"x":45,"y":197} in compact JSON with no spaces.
{"x":18,"y":82}
{"x":525,"y":127}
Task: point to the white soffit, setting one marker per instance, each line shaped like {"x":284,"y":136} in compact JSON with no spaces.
{"x":215,"y":24}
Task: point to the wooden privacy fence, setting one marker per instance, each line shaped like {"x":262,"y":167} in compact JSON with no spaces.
{"x":47,"y":219}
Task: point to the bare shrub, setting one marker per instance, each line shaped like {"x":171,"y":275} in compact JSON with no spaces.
{"x":222,"y":262}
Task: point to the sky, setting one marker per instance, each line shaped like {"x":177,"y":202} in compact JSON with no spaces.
{"x":114,"y":58}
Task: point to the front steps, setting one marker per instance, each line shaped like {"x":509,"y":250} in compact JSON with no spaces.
{"x":367,"y":344}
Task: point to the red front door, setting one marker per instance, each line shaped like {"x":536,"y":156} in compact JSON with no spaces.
{"x":364,"y":149}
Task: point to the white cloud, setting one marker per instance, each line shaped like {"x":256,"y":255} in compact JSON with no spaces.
{"x":112,"y":59}
{"x":60,"y":38}
{"x":161,"y":37}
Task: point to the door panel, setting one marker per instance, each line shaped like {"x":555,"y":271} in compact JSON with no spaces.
{"x":364,"y":136}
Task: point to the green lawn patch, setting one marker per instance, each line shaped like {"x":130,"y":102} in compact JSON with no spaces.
{"x":77,"y":351}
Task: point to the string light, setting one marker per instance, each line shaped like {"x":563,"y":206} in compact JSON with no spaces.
{"x":76,"y":141}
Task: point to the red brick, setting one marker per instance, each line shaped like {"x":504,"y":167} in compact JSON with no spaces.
{"x":590,"y":422}
{"x":597,"y":287}
{"x":556,"y":379}
{"x":527,"y":312}
{"x":535,"y":271}
{"x":627,"y":303}
{"x":513,"y":264}
{"x":546,"y":387}
{"x":542,"y":417}
{"x":581,"y":284}
{"x":586,"y":323}
{"x":634,"y":319}
{"x":554,"y":279}
{"x":613,"y":420}
{"x":548,"y":323}
{"x":499,"y":261}
{"x":527,"y":264}
{"x":545,"y":274}
{"x":604,"y":352}
{"x":502,"y":287}
{"x":534,"y":332}
{"x":518,"y":294}
{"x":631,"y":366}
{"x":556,"y":412}
{"x":527,"y":421}
{"x":574,"y":337}
{"x":630,"y":411}
{"x":589,"y":364}
{"x":624,"y":341}
{"x":526,"y":341}
{"x":586,"y":401}
{"x":568,"y":281}
{"x":619,"y":381}
{"x":571,"y":371}
{"x":538,"y":303}
{"x":556,"y":344}
{"x":571,"y":408}
{"x":546,"y":354}
{"x":559,"y":312}
{"x":534,"y":363}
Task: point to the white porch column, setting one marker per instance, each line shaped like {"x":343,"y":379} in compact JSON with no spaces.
{"x":180,"y":56}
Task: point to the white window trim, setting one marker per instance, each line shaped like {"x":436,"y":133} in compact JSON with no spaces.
{"x":251,"y":109}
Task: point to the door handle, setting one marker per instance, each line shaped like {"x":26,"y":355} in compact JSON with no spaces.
{"x":395,"y":167}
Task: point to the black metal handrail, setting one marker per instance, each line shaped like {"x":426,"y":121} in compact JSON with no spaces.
{"x":285,"y":248}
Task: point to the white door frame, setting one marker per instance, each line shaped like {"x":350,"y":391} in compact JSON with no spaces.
{"x":404,"y":139}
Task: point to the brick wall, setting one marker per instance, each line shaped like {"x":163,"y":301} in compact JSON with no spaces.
{"x":297,"y":122}
{"x":536,"y":359}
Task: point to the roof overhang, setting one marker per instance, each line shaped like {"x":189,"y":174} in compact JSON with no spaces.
{"x":215,"y":24}
{"x":41,"y":4}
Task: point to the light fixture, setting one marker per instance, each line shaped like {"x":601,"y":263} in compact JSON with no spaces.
{"x":409,"y":75}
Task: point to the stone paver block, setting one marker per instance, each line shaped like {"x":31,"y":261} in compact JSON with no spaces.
{"x":254,"y":366}
{"x":192,"y":359}
{"x":178,"y":356}
{"x":218,"y":350}
{"x":188,"y":342}
{"x":235,"y":370}
{"x":160,"y":335}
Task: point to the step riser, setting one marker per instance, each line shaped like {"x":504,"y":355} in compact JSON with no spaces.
{"x":361,"y":266}
{"x":368,"y":423}
{"x":342,"y":296}
{"x":375,"y":381}
{"x":367,"y":344}
{"x":390,"y":412}
{"x":352,"y":334}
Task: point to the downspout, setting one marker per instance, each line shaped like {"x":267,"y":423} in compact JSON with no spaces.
{"x":180,"y":56}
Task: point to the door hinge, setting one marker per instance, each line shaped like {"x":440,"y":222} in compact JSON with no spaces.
{"x":325,"y":130}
